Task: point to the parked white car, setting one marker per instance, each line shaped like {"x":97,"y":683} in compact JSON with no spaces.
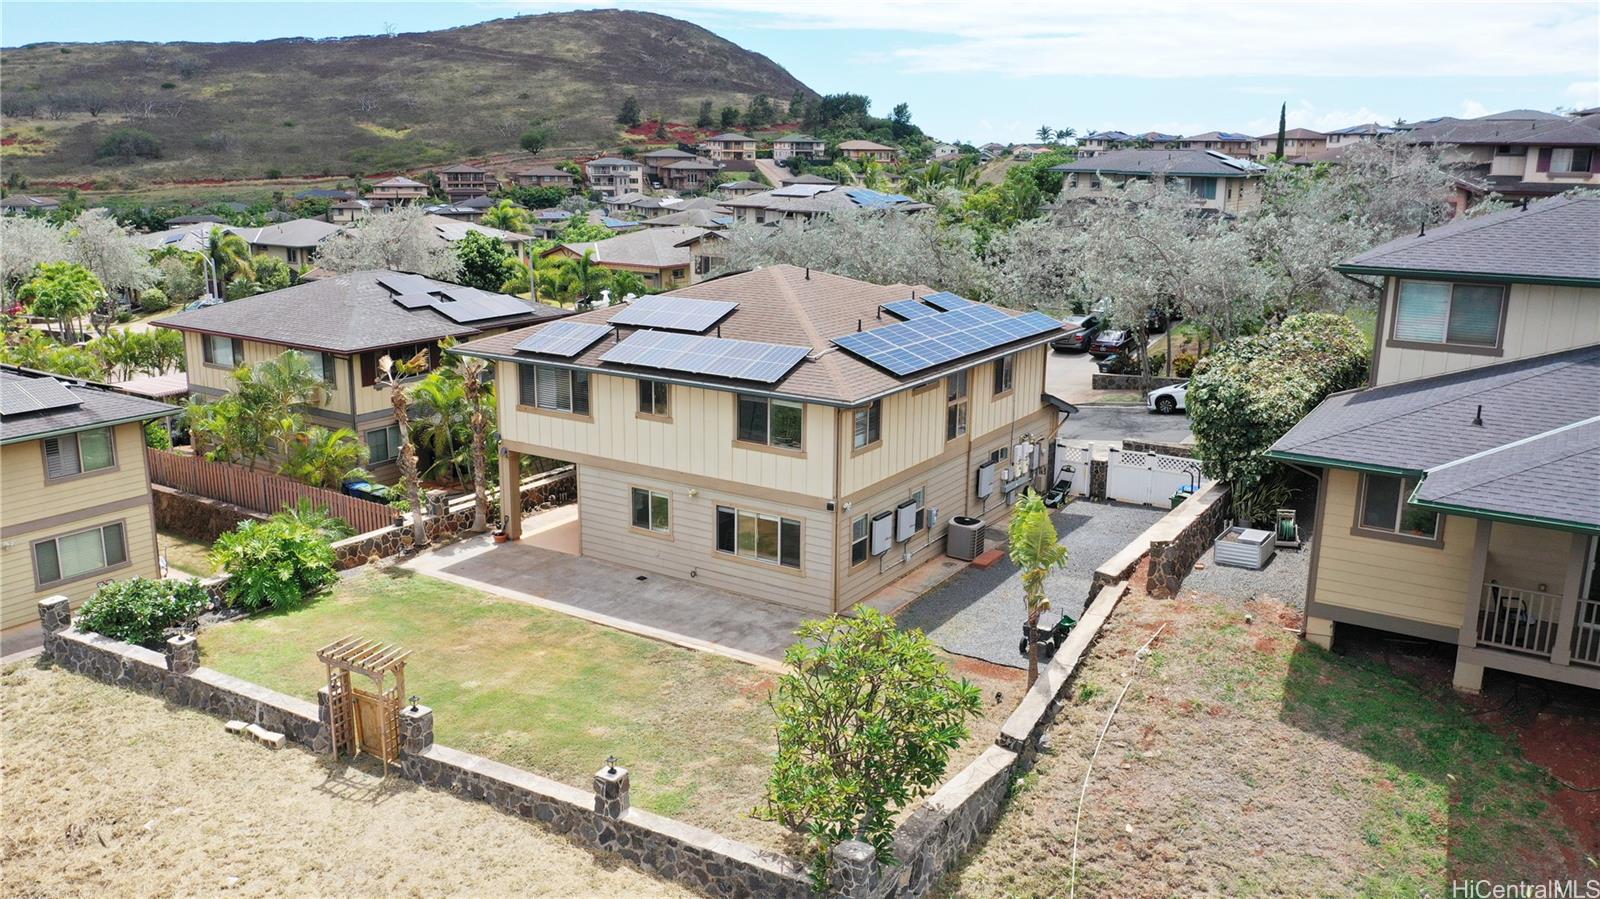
{"x":1167,"y":400}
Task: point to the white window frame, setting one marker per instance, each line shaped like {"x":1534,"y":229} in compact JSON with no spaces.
{"x":866,"y":425}
{"x":76,"y":453}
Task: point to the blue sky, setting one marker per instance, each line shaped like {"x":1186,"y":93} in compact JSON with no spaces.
{"x":998,"y":69}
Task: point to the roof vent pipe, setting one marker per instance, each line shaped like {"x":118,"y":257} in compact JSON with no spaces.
{"x":1424,"y":230}
{"x":1478,"y":418}
{"x":858,"y":326}
{"x":808,"y":273}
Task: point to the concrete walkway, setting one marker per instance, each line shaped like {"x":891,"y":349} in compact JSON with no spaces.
{"x":650,"y":605}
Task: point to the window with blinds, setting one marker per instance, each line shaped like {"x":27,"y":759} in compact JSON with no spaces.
{"x":85,"y":451}
{"x":75,"y":555}
{"x":556,"y":389}
{"x":1444,"y":313}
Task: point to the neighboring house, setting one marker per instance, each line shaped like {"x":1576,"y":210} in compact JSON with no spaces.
{"x":941,"y":151}
{"x":1216,"y":181}
{"x":1519,"y":154}
{"x":17,"y":204}
{"x":689,"y":175}
{"x":803,"y":202}
{"x":609,"y":176}
{"x":346,"y":211}
{"x":461,"y":182}
{"x":1096,"y":142}
{"x":857,"y":150}
{"x":295,"y":242}
{"x":1229,"y":142}
{"x":179,"y":221}
{"x":1025,"y":152}
{"x":656,"y":160}
{"x":707,"y":251}
{"x":344,"y":324}
{"x":451,"y":230}
{"x":1355,"y":134}
{"x":798,"y":146}
{"x":694,"y":218}
{"x":398,"y":191}
{"x":543,"y":176}
{"x":758,"y":448}
{"x":1297,"y":142}
{"x":991,"y":151}
{"x":808,"y":178}
{"x":78,"y":507}
{"x":729,"y":146}
{"x":652,"y":253}
{"x":741,"y":188}
{"x":1457,"y":498}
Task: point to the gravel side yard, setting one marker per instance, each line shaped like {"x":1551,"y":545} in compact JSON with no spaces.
{"x":112,"y":793}
{"x":979,"y":613}
{"x":1245,"y":762}
{"x":1283,"y":580}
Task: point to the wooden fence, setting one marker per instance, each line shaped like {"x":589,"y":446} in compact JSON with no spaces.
{"x":259,"y":491}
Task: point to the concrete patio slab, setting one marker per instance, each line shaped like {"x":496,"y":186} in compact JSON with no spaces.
{"x":628,"y":599}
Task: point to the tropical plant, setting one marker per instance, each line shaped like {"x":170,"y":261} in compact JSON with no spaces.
{"x":506,"y":216}
{"x":486,"y":262}
{"x":181,"y":276}
{"x":123,"y":351}
{"x":318,"y":519}
{"x":323,"y":458}
{"x":259,"y":415}
{"x":276,"y":564}
{"x":1036,"y":550}
{"x":63,"y":292}
{"x":139,"y":610}
{"x":230,"y":257}
{"x":479,"y":388}
{"x":439,"y":422}
{"x":154,"y":299}
{"x":867,"y":719}
{"x":392,"y":374}
{"x":624,"y":282}
{"x":156,"y":435}
{"x":569,"y":279}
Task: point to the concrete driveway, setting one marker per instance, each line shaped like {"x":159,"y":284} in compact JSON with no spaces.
{"x":651,"y":605}
{"x":979,"y":612}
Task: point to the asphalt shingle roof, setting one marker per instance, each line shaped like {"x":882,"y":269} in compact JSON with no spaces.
{"x":1427,"y":425}
{"x":1518,"y":127}
{"x":97,"y":405}
{"x":339,"y":314}
{"x":648,"y":248}
{"x":1558,"y":238}
{"x":781,"y":304}
{"x":1165,"y":162}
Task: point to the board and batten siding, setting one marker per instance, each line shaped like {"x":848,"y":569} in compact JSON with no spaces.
{"x":1540,"y":319}
{"x":29,"y":497}
{"x":1523,"y":558}
{"x":609,"y":535}
{"x":1416,"y":582}
{"x":219,"y":378}
{"x":698,"y":441}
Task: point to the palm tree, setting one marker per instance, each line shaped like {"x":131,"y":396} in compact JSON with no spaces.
{"x":480,"y":395}
{"x":392,"y":374}
{"x":323,"y":458}
{"x":230,"y":257}
{"x":1066,"y":133}
{"x":123,"y":351}
{"x":1044,"y":133}
{"x":626,"y":282}
{"x":579,"y":279}
{"x":1035,"y":549}
{"x":438,"y":421}
{"x":506,"y":216}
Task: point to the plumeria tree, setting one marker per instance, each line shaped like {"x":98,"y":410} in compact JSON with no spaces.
{"x":401,"y":239}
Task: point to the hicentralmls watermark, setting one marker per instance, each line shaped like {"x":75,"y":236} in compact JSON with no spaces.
{"x":1550,"y":889}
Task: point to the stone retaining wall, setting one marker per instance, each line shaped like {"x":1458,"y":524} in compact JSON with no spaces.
{"x":1129,"y":382}
{"x":197,"y":518}
{"x":1173,"y":554}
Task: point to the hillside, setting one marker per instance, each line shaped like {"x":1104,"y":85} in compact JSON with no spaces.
{"x":368,"y":104}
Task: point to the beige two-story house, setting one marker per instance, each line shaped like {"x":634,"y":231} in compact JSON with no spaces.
{"x":657,"y":255}
{"x":76,"y":506}
{"x":1213,"y":180}
{"x":397,"y":191}
{"x":463,"y":182}
{"x":1517,"y":154}
{"x":294,"y":242}
{"x":1297,"y":142}
{"x":344,"y":324}
{"x":786,"y":434}
{"x":1456,"y":497}
{"x":862,"y":150}
{"x":1229,"y":142}
{"x":610,"y":176}
{"x":798,"y":146}
{"x":730,"y":146}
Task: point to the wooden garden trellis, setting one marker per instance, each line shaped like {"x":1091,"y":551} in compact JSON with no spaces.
{"x":361,"y":720}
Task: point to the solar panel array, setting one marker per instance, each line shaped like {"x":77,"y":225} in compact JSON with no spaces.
{"x":462,"y":305}
{"x":922,"y":343}
{"x":403,"y":283}
{"x":945,"y":301}
{"x":909,"y":309}
{"x":872,"y":199}
{"x":803,"y":190}
{"x":19,"y":396}
{"x":742,"y":360}
{"x":673,"y":313}
{"x":565,"y":339}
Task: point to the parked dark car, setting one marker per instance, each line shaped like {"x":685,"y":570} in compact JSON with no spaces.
{"x":1155,"y":320}
{"x":1081,"y":331}
{"x":1111,"y":365}
{"x":1108,"y":342}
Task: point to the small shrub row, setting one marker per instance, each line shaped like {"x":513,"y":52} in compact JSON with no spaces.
{"x":140,"y":610}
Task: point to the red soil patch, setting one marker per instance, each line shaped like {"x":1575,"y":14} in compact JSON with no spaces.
{"x":970,"y":667}
{"x":1568,"y":746}
{"x":1266,"y":644}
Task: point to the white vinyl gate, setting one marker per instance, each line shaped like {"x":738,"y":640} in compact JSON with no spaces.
{"x":1149,"y":478}
{"x":1077,"y":458}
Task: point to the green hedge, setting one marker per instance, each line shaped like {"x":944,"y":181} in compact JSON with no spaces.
{"x":277,"y":563}
{"x":1252,"y":390}
{"x":139,"y":610}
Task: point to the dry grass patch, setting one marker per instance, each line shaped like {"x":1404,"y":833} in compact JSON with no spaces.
{"x":1244,"y":762}
{"x":111,"y":793}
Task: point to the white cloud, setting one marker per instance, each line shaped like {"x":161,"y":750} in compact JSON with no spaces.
{"x":1305,"y":114}
{"x":1584,"y":94}
{"x":1472,"y":109}
{"x":1146,"y":38}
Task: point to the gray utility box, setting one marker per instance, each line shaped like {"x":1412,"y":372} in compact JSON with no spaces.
{"x":905,"y":520}
{"x":882,"y":532}
{"x":964,"y":538}
{"x":986,"y":476}
{"x":1245,"y":548}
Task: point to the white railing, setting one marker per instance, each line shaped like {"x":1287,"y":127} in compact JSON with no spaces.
{"x":1518,"y":620}
{"x":1586,"y":633}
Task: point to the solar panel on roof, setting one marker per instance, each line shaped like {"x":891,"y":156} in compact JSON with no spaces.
{"x":873,"y":199}
{"x":565,"y":339}
{"x":673,"y":313}
{"x":909,"y":309}
{"x":802,"y":190}
{"x":402,"y":282}
{"x":19,"y":396}
{"x":464,"y":305}
{"x":743,"y":360}
{"x":922,"y":343}
{"x":945,"y":301}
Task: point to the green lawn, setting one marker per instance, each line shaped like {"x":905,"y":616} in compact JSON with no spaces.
{"x":542,"y":691}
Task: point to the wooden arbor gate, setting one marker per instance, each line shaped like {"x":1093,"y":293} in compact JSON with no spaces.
{"x":365,"y":720}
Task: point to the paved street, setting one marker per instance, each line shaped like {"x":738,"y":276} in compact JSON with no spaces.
{"x":1107,"y":423}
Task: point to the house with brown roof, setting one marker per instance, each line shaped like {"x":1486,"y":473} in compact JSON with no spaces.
{"x":463,"y":182}
{"x":804,"y":202}
{"x":78,"y":507}
{"x":652,"y":253}
{"x":344,"y":324}
{"x":656,"y":160}
{"x":397,"y":191}
{"x":729,"y":146}
{"x":543,"y":176}
{"x":21,"y":204}
{"x":857,"y":150}
{"x":777,"y":433}
{"x":798,"y":146}
{"x":609,"y":176}
{"x":1297,"y":142}
{"x":690,"y":175}
{"x":1456,"y":494}
{"x":1518,"y":154}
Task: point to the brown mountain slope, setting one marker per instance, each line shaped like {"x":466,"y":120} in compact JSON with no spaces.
{"x":366,"y":103}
